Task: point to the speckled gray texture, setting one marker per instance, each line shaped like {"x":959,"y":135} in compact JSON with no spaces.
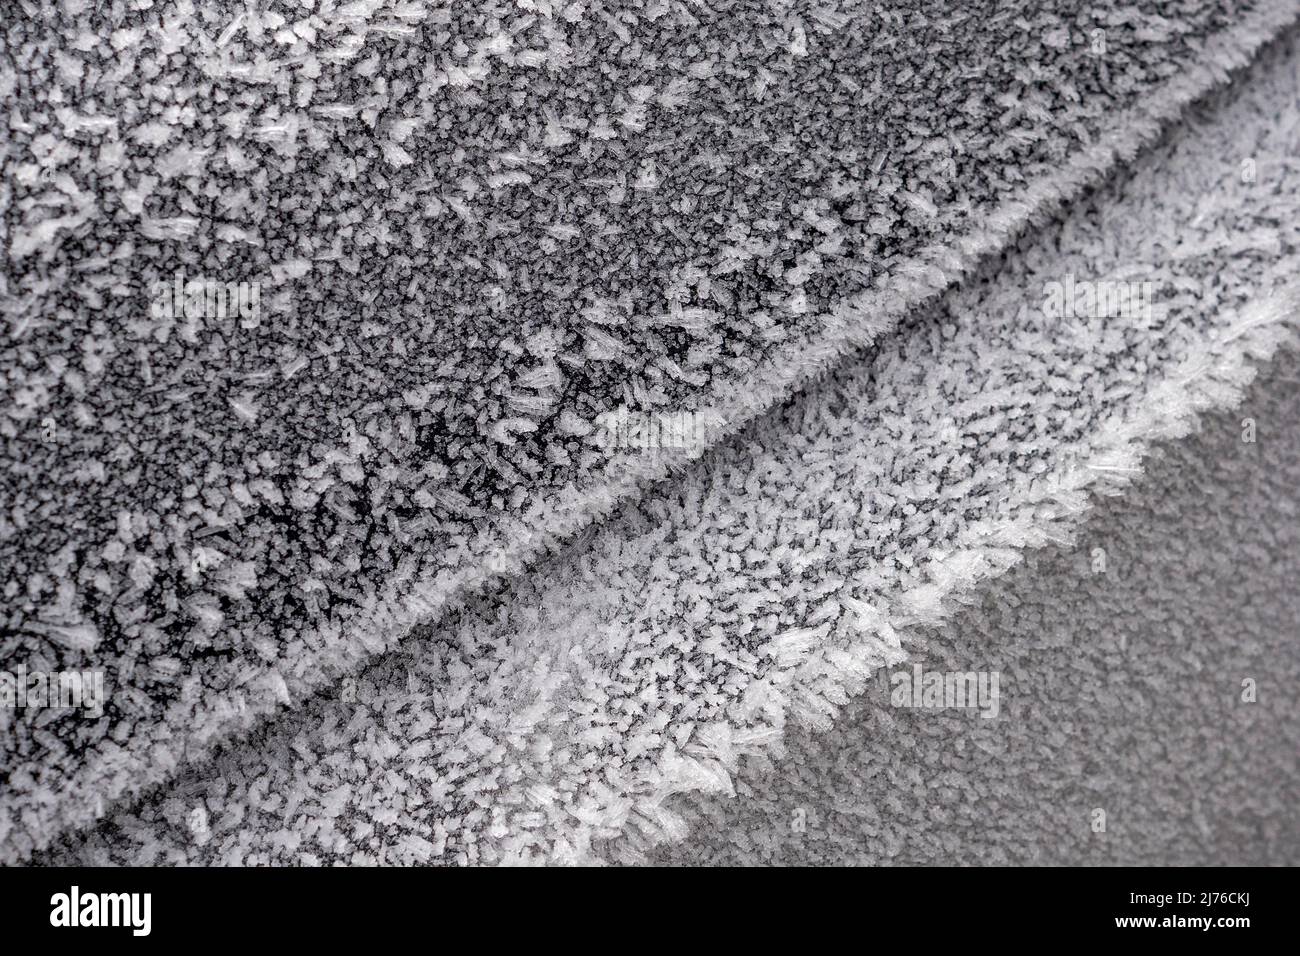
{"x":473,"y":229}
{"x":1121,"y":690}
{"x":565,"y":717}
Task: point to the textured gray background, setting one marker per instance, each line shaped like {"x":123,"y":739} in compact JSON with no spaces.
{"x":572,"y":705}
{"x":1119,"y":690}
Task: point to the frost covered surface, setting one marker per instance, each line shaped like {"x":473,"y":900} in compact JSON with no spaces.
{"x":472,"y":229}
{"x":561,"y":718}
{"x":1121,"y":691}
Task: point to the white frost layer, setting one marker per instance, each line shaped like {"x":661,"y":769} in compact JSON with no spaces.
{"x":67,"y":780}
{"x":778,"y":574}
